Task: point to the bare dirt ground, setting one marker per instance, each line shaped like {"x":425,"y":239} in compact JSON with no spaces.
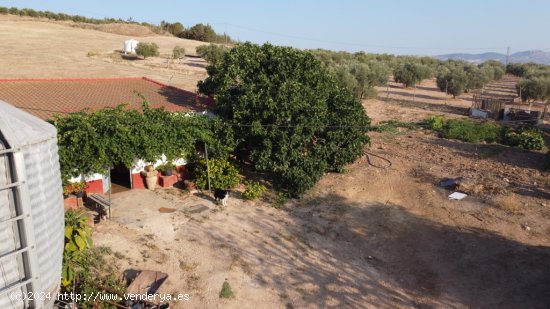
{"x":376,"y":236}
{"x":33,"y":48}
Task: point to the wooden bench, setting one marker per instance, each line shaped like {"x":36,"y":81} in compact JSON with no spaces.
{"x":101,"y":204}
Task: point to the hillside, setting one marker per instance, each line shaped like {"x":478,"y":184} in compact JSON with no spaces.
{"x":33,"y":48}
{"x":536,"y":56}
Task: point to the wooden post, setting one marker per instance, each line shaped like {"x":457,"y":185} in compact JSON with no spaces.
{"x":207,"y":169}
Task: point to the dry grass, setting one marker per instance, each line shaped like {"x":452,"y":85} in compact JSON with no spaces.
{"x":507,"y":202}
{"x":188,"y":266}
{"x":41,"y":49}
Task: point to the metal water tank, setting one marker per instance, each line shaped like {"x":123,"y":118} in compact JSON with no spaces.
{"x":31,"y":211}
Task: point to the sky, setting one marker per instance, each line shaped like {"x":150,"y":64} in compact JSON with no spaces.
{"x":420,"y":27}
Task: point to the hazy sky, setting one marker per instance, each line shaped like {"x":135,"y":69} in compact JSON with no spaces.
{"x":392,"y":26}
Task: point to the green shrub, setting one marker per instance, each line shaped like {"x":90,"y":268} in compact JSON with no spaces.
{"x":13,"y":10}
{"x":253,"y":190}
{"x":470,"y":131}
{"x":226,"y":291}
{"x":163,"y":167}
{"x":223,"y":174}
{"x":98,"y":273}
{"x":280,"y":201}
{"x":212,"y":53}
{"x":436,"y":123}
{"x":78,"y":238}
{"x":88,"y":141}
{"x":524,"y":137}
{"x":3,"y":10}
{"x":147,"y":50}
{"x":178,"y":52}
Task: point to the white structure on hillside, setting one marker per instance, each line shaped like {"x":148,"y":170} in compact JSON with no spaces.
{"x":31,"y":211}
{"x":130,"y":46}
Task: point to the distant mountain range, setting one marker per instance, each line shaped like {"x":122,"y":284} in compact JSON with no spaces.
{"x":537,"y":56}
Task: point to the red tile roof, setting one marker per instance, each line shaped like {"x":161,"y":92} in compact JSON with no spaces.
{"x":46,"y":97}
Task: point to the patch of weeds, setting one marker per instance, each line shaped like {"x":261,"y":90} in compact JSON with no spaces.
{"x":93,"y":53}
{"x":119,"y":255}
{"x":392,"y":125}
{"x":526,"y":137}
{"x":188,"y":267}
{"x":193,"y":281}
{"x":280,"y":201}
{"x":471,"y":131}
{"x":253,"y":190}
{"x":508,"y":203}
{"x":435,"y":123}
{"x":226,"y":291}
{"x":145,"y":255}
{"x":490,"y":177}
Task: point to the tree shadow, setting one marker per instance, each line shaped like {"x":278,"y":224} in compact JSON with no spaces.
{"x":336,"y":253}
{"x":503,"y":154}
{"x":510,"y":156}
{"x":434,"y":107}
{"x":427,"y":88}
{"x":412,"y":95}
{"x":186,"y":98}
{"x":196,"y":65}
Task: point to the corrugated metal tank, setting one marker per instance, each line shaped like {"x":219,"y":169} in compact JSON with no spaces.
{"x":31,"y":210}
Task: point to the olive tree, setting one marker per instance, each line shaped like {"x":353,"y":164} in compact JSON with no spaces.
{"x":411,"y":73}
{"x":369,"y":76}
{"x":178,"y":52}
{"x":212,"y":53}
{"x":453,"y":80}
{"x":532,"y":89}
{"x":147,"y":49}
{"x":287,"y":112}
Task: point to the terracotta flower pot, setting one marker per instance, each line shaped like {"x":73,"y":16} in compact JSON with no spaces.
{"x":150,"y":179}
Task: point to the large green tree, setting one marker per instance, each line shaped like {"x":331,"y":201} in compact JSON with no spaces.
{"x":288,"y":112}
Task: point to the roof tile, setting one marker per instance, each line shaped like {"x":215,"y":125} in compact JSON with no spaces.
{"x":47,"y":97}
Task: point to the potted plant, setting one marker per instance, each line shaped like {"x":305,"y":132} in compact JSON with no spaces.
{"x":67,"y":190}
{"x":167,"y":169}
{"x":78,"y":188}
{"x":150,"y":175}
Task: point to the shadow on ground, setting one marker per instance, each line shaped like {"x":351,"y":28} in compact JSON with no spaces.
{"x":499,"y":153}
{"x":432,"y":107}
{"x":336,"y":253}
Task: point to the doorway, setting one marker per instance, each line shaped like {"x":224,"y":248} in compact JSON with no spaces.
{"x":120,"y":178}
